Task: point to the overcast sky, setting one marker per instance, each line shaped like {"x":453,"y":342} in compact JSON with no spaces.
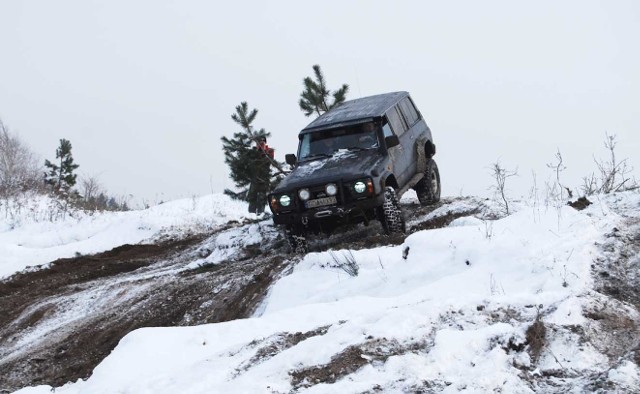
{"x":145,"y":89}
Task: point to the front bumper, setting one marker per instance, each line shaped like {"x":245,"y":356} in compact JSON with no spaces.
{"x":349,"y":212}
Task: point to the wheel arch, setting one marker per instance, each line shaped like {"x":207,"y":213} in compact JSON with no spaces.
{"x":429,"y":149}
{"x":390,"y":180}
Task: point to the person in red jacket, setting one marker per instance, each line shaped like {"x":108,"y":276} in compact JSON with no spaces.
{"x":262,"y":176}
{"x":262,"y":145}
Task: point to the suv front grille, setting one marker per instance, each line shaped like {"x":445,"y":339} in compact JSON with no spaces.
{"x":345,"y":195}
{"x":319,"y":192}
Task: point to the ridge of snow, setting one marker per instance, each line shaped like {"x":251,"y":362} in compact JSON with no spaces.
{"x":447,"y":314}
{"x":28,"y":239}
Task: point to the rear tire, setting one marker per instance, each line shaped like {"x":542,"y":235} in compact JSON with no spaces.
{"x":428,"y":189}
{"x":297,"y":241}
{"x":390,"y":213}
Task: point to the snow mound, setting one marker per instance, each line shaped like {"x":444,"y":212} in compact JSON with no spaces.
{"x":40,"y":232}
{"x":449,"y":310}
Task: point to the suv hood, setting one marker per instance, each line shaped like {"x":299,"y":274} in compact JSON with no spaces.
{"x":345,"y":165}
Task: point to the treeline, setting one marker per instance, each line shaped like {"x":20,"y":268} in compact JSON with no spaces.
{"x":21,"y":172}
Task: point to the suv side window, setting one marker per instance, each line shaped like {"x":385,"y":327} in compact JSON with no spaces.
{"x":409,"y":112}
{"x":397,"y":123}
{"x":386,"y":129}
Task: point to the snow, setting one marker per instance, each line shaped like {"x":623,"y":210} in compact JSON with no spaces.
{"x":227,"y":244}
{"x":447,"y":314}
{"x":627,"y":374}
{"x":39,"y":233}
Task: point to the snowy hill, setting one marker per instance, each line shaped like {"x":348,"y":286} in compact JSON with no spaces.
{"x":542,"y":300}
{"x":36,"y":231}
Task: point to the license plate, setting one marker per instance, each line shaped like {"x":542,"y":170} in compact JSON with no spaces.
{"x":321,"y":202}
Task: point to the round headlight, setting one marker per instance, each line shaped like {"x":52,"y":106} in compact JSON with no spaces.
{"x":285,"y":200}
{"x":304,"y":194}
{"x":331,"y":189}
{"x":360,"y":187}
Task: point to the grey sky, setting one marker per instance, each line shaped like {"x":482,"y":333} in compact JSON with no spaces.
{"x":145,"y":89}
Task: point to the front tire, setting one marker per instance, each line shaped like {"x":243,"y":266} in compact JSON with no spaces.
{"x":428,"y":189}
{"x":390,"y":213}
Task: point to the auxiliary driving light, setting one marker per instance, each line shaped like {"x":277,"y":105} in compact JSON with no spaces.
{"x":331,"y":189}
{"x":304,"y":194}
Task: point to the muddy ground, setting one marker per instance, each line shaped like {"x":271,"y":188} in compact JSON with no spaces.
{"x":58,"y":323}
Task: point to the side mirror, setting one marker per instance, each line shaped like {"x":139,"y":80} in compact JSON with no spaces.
{"x":290,"y":159}
{"x":391,"y":141}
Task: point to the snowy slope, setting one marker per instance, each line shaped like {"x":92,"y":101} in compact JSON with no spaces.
{"x":451,"y":317}
{"x":29,"y":236}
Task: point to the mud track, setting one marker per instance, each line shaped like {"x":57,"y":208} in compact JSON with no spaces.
{"x":57,"y":324}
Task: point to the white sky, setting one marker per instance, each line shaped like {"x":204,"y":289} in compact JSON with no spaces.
{"x":145,"y":89}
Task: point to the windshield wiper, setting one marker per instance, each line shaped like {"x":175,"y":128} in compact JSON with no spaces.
{"x":357,"y":148}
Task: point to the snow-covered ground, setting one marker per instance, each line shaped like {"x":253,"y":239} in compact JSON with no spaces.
{"x":37,"y":231}
{"x":449,"y":310}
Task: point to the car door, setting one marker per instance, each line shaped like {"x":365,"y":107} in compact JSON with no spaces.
{"x":415,"y":129}
{"x":400,"y":154}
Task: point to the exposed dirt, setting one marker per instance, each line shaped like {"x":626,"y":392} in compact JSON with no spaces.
{"x":536,"y":338}
{"x":351,"y":359}
{"x":143,"y":288}
{"x":277,"y":343}
{"x":617,"y":275}
{"x":619,"y":267}
{"x":58,"y":323}
{"x":579,"y":204}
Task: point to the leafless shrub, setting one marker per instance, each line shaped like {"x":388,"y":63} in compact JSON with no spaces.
{"x":534,"y":196}
{"x":500,"y":175}
{"x":488,"y":228}
{"x":495,"y":287}
{"x":536,"y":337}
{"x":93,"y":197}
{"x":347,"y":262}
{"x":90,"y":187}
{"x":589,"y":185}
{"x":558,"y":188}
{"x":19,"y":168}
{"x":615,"y":175}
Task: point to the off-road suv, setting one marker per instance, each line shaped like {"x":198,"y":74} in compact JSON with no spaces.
{"x":354,"y":163}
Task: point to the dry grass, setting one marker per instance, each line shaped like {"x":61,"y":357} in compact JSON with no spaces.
{"x":536,"y":338}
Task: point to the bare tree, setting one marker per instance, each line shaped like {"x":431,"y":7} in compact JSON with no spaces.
{"x":90,"y":187}
{"x":19,"y":168}
{"x":558,"y":167}
{"x":614,"y":175}
{"x":589,"y":184}
{"x":500,"y":175}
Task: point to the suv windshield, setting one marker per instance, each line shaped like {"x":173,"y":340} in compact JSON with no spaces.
{"x":326,"y":143}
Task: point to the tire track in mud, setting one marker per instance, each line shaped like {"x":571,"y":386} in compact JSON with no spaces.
{"x":57,"y":324}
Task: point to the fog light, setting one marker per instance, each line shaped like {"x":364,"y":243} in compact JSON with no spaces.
{"x":331,"y":189}
{"x":304,"y":194}
{"x":285,"y":200}
{"x":360,"y":187}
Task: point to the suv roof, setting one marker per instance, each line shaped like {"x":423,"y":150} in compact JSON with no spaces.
{"x":356,"y":110}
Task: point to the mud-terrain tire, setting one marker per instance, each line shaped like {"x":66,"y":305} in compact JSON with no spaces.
{"x":428,"y":189}
{"x":390,"y":213}
{"x":297,"y":241}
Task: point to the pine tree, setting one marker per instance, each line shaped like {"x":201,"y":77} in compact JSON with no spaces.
{"x":315,"y":96}
{"x":238,"y":150}
{"x":61,"y":177}
{"x":250,"y":168}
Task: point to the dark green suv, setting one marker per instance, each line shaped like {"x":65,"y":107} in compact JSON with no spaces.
{"x":353,"y":165}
